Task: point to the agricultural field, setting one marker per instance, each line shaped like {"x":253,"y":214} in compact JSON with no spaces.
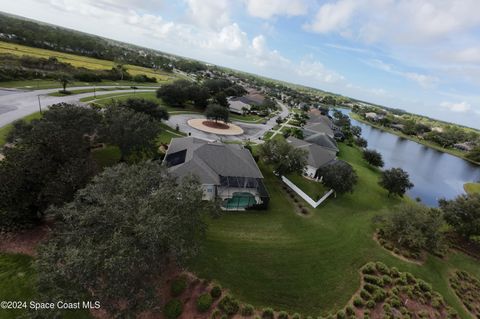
{"x":81,"y":61}
{"x":310,"y":264}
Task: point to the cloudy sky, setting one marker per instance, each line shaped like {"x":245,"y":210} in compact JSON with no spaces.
{"x":419,"y":55}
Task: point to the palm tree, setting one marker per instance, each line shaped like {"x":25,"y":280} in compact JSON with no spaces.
{"x":64,"y":79}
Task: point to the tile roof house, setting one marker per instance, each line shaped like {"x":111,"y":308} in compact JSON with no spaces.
{"x":318,"y":156}
{"x":227,"y":172}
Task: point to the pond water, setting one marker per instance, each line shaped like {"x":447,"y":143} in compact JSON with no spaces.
{"x":435,"y":174}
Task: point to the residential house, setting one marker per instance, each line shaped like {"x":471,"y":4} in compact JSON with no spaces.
{"x":227,"y":172}
{"x":466,"y":146}
{"x":371,"y":116}
{"x":318,"y":156}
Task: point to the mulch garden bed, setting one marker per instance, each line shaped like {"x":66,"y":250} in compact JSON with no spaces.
{"x":217,"y":125}
{"x":467,"y":289}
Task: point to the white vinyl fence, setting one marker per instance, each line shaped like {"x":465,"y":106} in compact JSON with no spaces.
{"x":302,"y":194}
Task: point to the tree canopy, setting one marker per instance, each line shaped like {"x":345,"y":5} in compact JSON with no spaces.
{"x":217,"y":112}
{"x":282,"y":156}
{"x":49,"y":161}
{"x":373,"y":158}
{"x":396,"y":181}
{"x":138,"y":219}
{"x":340,"y":176}
{"x":133,"y":132}
{"x":463,"y":214}
{"x":148,"y":107}
{"x":415,"y":227}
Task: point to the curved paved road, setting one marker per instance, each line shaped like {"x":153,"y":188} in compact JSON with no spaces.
{"x":15,"y":104}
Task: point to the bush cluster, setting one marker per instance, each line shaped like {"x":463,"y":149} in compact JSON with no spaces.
{"x":178,"y":286}
{"x":204,"y":302}
{"x":229,"y":305}
{"x":173,"y":309}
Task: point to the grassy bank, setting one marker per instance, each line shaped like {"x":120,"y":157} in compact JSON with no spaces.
{"x":472,"y":188}
{"x":310,"y":265}
{"x":4,"y":130}
{"x":450,"y":151}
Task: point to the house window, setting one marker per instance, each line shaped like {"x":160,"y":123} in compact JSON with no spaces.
{"x":209,"y":190}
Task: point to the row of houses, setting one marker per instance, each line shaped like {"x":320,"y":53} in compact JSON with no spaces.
{"x":319,"y":142}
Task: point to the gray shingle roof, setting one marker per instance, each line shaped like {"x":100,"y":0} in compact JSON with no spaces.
{"x":317,"y":156}
{"x":209,"y":161}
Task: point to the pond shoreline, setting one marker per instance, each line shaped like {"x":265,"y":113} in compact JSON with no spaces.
{"x":395,"y":132}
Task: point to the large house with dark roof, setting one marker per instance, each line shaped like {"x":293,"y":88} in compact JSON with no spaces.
{"x":227,"y":172}
{"x":317,"y":156}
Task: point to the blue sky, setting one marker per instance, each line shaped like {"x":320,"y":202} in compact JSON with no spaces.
{"x":419,"y":55}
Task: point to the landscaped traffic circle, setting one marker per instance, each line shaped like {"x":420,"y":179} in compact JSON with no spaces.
{"x":215,"y":127}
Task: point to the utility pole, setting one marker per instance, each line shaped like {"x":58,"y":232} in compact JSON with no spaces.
{"x":39,"y":104}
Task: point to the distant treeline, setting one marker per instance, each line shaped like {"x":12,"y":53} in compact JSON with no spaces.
{"x":39,"y":35}
{"x":14,"y":68}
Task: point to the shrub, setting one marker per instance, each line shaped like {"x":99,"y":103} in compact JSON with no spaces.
{"x":215,"y":314}
{"x":229,"y":305}
{"x":247,"y":310}
{"x":349,"y":311}
{"x":216,"y":292}
{"x":365,"y":295}
{"x":357,"y":302}
{"x":370,"y":304}
{"x":173,"y":309}
{"x":296,"y":316}
{"x":267,"y":313}
{"x":382,"y":268}
{"x":178,"y":286}
{"x":341,"y":314}
{"x":379,"y":295}
{"x":282,"y":315}
{"x":204,"y":302}
{"x":369,"y":268}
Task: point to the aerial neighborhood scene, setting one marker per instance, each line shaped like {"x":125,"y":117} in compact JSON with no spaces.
{"x":216,"y":159}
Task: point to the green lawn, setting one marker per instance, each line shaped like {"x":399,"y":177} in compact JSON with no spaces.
{"x":310,"y":265}
{"x":80,"y":91}
{"x":167,"y":134}
{"x":107,"y":156}
{"x":51,"y":84}
{"x":246,"y":118}
{"x":472,"y":187}
{"x":313,"y":189}
{"x":108,"y":98}
{"x":17,"y":283}
{"x":5,"y":129}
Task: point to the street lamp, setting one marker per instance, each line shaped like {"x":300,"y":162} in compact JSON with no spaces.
{"x":39,"y":104}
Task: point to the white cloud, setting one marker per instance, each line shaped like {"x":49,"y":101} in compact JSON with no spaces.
{"x":408,"y":21}
{"x":266,"y":9}
{"x":309,"y":68}
{"x":209,"y":13}
{"x":460,"y":107}
{"x":334,"y":16}
{"x":424,"y":80}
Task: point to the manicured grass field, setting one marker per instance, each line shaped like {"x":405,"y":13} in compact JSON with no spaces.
{"x":472,"y":188}
{"x":81,"y":61}
{"x":278,"y":259}
{"x":17,"y":283}
{"x":249,"y":118}
{"x":80,"y":91}
{"x":313,"y":189}
{"x":5,"y":129}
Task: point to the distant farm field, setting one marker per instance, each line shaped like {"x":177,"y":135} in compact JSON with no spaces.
{"x":80,"y":61}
